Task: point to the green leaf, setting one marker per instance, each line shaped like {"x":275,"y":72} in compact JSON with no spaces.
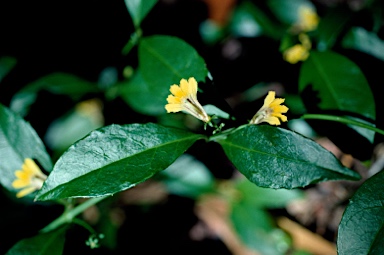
{"x":288,"y":11}
{"x":256,"y":229}
{"x":360,"y":39}
{"x":188,"y":177}
{"x":138,"y":9}
{"x":213,"y":110}
{"x":6,"y":65}
{"x":249,"y":21}
{"x":361,"y":230}
{"x":330,"y":27}
{"x":18,"y":140}
{"x":140,"y":97}
{"x":51,"y":243}
{"x":339,"y":82}
{"x":277,"y":158}
{"x":266,"y":198}
{"x":115,"y":158}
{"x":56,"y":83}
{"x":164,"y":60}
{"x":73,"y":126}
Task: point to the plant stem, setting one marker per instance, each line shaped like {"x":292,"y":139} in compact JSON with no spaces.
{"x":132,"y":41}
{"x":342,"y":120}
{"x":69,"y":215}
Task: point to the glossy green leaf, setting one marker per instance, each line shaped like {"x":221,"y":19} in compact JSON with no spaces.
{"x":211,"y":110}
{"x":360,"y":39}
{"x":55,"y":83}
{"x":338,"y":82}
{"x":51,"y":243}
{"x":138,"y":9}
{"x":278,"y":158}
{"x":18,"y":140}
{"x":164,"y":60}
{"x":6,"y":65}
{"x":115,"y":158}
{"x":361,"y":230}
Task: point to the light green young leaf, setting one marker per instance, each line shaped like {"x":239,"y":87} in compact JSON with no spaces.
{"x":164,"y":60}
{"x":361,"y":230}
{"x":51,"y":243}
{"x":256,"y":229}
{"x":56,"y":83}
{"x":115,"y":158}
{"x":248,"y":20}
{"x":339,"y":82}
{"x":18,"y":140}
{"x":288,"y":11}
{"x":360,"y":39}
{"x":188,"y":177}
{"x":213,"y":110}
{"x":140,"y":97}
{"x":277,"y":158}
{"x":6,"y":65}
{"x":138,"y":9}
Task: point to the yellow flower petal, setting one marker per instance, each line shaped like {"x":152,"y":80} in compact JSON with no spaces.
{"x":271,"y":111}
{"x":269,"y":99}
{"x":184,"y":98}
{"x":295,"y":54}
{"x":25,"y":192}
{"x":173,"y":100}
{"x":280,"y":108}
{"x":30,"y":178}
{"x":177,"y":91}
{"x":19,"y":183}
{"x":173,"y":108}
{"x":272,"y":120}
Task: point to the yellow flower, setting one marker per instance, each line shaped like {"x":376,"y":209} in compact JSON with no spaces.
{"x":308,"y":19}
{"x":295,"y":54}
{"x":271,"y":111}
{"x":29,"y":179}
{"x":184,"y":98}
{"x":298,"y":52}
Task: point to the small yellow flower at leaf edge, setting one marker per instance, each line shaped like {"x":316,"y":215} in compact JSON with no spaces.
{"x":308,"y":19}
{"x":184,"y":98}
{"x":272,"y":111}
{"x":29,"y":178}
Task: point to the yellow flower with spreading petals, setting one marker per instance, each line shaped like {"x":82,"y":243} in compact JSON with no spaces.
{"x":308,"y":19}
{"x":184,"y":98}
{"x":29,"y":179}
{"x":271,"y":111}
{"x":298,"y":52}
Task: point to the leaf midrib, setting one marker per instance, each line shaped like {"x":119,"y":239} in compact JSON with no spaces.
{"x":277,"y":156}
{"x":196,"y":137}
{"x":327,"y":82}
{"x":161,"y":59}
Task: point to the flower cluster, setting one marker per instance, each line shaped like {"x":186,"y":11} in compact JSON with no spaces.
{"x":184,"y":98}
{"x":308,"y":20}
{"x":29,"y":178}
